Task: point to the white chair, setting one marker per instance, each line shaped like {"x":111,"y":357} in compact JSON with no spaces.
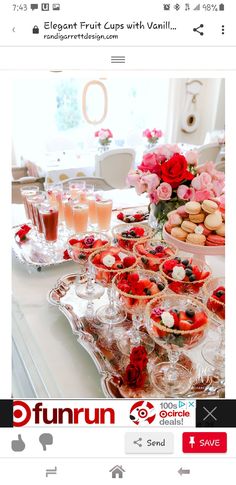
{"x":114,"y":165}
{"x":99,"y":183}
{"x":208,"y":153}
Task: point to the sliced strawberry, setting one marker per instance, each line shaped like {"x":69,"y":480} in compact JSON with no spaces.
{"x":204,"y":275}
{"x":176,"y":318}
{"x":185,"y":325}
{"x":120,"y":216}
{"x":200,"y":318}
{"x":196,"y":271}
{"x":96,"y":259}
{"x":183,"y":316}
{"x":159,"y":332}
{"x":74,"y":241}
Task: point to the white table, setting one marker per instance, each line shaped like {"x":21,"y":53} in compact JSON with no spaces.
{"x":48,"y":361}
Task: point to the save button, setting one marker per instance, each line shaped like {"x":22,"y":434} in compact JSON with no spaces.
{"x":204,"y":442}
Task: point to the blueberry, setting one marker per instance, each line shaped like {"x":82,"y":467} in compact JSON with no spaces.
{"x":177,"y":259}
{"x":185,"y":262}
{"x":124,"y":234}
{"x":192,"y":278}
{"x":153,"y":251}
{"x":188,"y":272}
{"x":190,"y":313}
{"x":120,"y":266}
{"x":147,"y":291}
{"x":144,"y":260}
{"x":152,"y":280}
{"x":161,"y":286}
{"x":132,"y":233}
{"x":175,"y":311}
{"x":220,"y":293}
{"x":189,"y":266}
{"x":82,"y":256}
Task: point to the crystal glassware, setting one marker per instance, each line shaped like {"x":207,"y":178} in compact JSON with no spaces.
{"x":68,"y":211}
{"x":104,"y":211}
{"x":35,"y":203}
{"x":136,"y":288}
{"x":214,"y":297}
{"x":107,"y":264}
{"x":26,"y":192}
{"x":80,"y":247}
{"x":49,"y":217}
{"x":80,"y":216}
{"x":185,"y":275}
{"x":153,"y":252}
{"x":176,"y":323}
{"x":127,"y":235}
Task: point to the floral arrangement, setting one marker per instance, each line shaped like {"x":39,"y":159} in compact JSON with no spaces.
{"x":171,"y":179}
{"x":152,"y":135}
{"x":136,"y":370}
{"x":104,"y":136}
{"x":21,"y":235}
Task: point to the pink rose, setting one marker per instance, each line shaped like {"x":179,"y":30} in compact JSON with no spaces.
{"x":218,"y":187}
{"x":147,"y":133}
{"x":154,"y":199}
{"x":150,"y":163}
{"x":208,"y":167}
{"x":167,"y":151}
{"x":191,"y":157}
{"x":164,"y":191}
{"x":185,"y":193}
{"x":202,"y":181}
{"x":201,"y":195}
{"x":134,"y":180}
{"x":151,"y":180}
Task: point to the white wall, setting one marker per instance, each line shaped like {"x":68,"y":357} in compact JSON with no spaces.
{"x":210,"y":106}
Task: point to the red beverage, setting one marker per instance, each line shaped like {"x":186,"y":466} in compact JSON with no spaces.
{"x":49,"y":217}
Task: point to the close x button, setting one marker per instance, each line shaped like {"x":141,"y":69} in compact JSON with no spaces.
{"x":204,"y":442}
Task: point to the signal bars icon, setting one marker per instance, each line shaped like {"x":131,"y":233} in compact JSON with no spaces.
{"x":197,"y":7}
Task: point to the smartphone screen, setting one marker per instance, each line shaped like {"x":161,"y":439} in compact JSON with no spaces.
{"x":117,"y":137}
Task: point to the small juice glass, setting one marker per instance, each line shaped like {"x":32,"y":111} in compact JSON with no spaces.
{"x":76,"y":189}
{"x":91,"y":201}
{"x":26,"y":192}
{"x":49,"y":217}
{"x":104,"y":210}
{"x":68,"y":212}
{"x":80,"y":216}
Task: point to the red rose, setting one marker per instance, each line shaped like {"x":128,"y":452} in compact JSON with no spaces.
{"x":175,"y":170}
{"x":138,"y":357}
{"x":134,"y":376}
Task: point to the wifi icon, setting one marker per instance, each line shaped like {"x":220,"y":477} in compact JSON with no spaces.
{"x":197,"y":7}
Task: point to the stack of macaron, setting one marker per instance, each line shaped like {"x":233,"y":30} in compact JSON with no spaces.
{"x":197,"y":223}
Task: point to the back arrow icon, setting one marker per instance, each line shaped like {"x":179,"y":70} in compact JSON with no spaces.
{"x":183,"y":471}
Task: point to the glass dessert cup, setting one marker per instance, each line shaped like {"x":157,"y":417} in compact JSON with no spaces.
{"x":189,"y":284}
{"x":132,"y":216}
{"x":135,"y":304}
{"x":87,"y":243}
{"x":49,"y":219}
{"x":214,"y":297}
{"x":170,"y":378}
{"x":113,"y":313}
{"x":125,"y":236}
{"x":153,"y":252}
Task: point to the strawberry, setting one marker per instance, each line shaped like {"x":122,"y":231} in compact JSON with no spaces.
{"x":139,"y":231}
{"x":185,"y":325}
{"x":128,"y":261}
{"x":99,"y":243}
{"x":176,"y":287}
{"x":124,"y":287}
{"x":138,"y":217}
{"x":133,"y":278}
{"x":176,"y":318}
{"x":120,"y":216}
{"x":183,"y":316}
{"x":159,"y":332}
{"x":74,"y":241}
{"x":200,"y":318}
{"x":169,"y":265}
{"x":96,"y":259}
{"x":197,"y":272}
{"x":204,"y":275}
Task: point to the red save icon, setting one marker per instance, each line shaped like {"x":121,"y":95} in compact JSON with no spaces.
{"x":204,"y":442}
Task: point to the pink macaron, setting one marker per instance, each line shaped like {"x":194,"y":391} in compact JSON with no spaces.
{"x":206,"y":231}
{"x":215,"y":240}
{"x":181,"y":211}
{"x":168,"y":227}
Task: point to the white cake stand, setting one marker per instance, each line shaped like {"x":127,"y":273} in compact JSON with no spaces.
{"x":196,"y":250}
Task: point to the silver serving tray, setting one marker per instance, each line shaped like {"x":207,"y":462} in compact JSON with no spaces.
{"x":32,"y":254}
{"x":108,"y":360}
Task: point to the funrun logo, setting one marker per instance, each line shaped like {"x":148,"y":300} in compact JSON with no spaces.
{"x":142,"y":412}
{"x":23,"y":413}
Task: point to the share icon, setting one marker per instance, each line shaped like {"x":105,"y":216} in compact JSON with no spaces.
{"x":196,"y":29}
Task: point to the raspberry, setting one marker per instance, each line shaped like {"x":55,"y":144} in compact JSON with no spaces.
{"x":120,"y":216}
{"x":128,"y":261}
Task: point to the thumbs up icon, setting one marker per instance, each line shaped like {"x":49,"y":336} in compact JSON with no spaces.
{"x":18,"y":445}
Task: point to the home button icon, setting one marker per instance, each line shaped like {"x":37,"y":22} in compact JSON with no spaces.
{"x":117,"y":471}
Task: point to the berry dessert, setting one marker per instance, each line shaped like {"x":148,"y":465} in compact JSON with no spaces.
{"x":152,"y":253}
{"x":185,"y":275}
{"x":110,"y":262}
{"x":137,"y":287}
{"x":126,"y":237}
{"x":80,"y":248}
{"x":178,"y":322}
{"x":127,"y":217}
{"x":215,"y":293}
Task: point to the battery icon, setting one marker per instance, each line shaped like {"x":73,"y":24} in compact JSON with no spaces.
{"x":221,"y":6}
